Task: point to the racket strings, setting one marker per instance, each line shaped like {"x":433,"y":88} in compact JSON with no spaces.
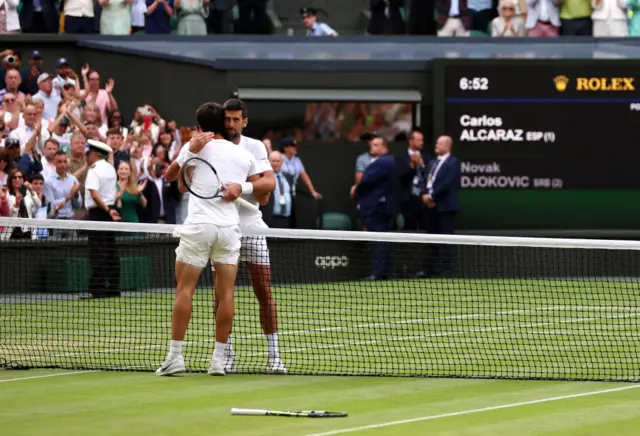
{"x":201,"y":179}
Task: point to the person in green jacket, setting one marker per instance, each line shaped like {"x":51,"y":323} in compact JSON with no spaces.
{"x":634,"y":22}
{"x":129,"y":194}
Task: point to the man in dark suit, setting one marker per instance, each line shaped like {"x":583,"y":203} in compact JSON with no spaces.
{"x":162,"y":197}
{"x":220,"y":19}
{"x":376,"y":195}
{"x":277,"y":212}
{"x":411,"y":167}
{"x":43,"y":18}
{"x":386,"y":18}
{"x":440,"y":190}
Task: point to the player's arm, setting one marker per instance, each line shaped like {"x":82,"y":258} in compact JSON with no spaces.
{"x":173,"y":171}
{"x":262,"y":199}
{"x":181,"y":186}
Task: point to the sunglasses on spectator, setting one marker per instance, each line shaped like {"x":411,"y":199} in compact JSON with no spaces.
{"x":18,"y":177}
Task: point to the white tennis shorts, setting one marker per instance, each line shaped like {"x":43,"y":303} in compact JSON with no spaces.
{"x":201,"y":242}
{"x":254,"y":248}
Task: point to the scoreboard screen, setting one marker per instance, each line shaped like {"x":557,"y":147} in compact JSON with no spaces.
{"x":546,"y":137}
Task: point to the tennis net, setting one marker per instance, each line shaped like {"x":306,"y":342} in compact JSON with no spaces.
{"x":484,"y":307}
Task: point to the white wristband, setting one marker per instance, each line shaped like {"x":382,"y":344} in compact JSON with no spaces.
{"x":247,"y":187}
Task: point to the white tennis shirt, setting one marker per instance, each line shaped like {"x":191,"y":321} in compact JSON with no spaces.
{"x":258,"y":150}
{"x":233,"y":165}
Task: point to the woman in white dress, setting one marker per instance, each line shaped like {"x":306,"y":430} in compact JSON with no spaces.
{"x":116,"y":17}
{"x":9,"y":20}
{"x":610,"y":18}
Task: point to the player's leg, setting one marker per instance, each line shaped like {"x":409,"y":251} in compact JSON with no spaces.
{"x":191,"y":257}
{"x":224,"y":257}
{"x":259,"y":269}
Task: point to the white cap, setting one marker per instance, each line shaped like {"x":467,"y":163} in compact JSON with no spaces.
{"x":42,"y":77}
{"x":93,"y":145}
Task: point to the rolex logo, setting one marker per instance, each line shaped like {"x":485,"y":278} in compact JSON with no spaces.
{"x":561,"y":83}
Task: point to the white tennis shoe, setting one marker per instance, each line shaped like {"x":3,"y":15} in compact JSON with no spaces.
{"x":229,"y":363}
{"x":217,"y":366}
{"x":172,"y":366}
{"x":276,"y":366}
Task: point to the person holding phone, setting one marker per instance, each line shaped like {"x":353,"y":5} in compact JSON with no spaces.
{"x":23,"y":203}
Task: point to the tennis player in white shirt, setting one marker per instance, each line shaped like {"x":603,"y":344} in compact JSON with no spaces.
{"x":210,"y":232}
{"x":254,"y":252}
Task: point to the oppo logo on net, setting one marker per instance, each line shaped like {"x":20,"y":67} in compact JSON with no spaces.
{"x":331,"y":262}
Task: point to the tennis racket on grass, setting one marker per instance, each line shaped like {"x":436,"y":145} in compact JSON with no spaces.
{"x":207,"y":185}
{"x":300,"y":414}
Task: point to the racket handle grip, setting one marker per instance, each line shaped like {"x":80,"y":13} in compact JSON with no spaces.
{"x":248,"y":412}
{"x":248,"y":205}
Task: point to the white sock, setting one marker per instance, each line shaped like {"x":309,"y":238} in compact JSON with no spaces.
{"x":229,"y":346}
{"x":272,"y":344}
{"x":175,"y":349}
{"x":220,"y":349}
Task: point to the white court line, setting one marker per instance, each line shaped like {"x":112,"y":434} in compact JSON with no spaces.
{"x":468,"y":412}
{"x":46,"y":376}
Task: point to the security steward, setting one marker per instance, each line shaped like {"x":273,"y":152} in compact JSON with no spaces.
{"x":100,"y":198}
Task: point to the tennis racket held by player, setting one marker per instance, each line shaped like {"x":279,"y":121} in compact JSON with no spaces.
{"x":207,"y":185}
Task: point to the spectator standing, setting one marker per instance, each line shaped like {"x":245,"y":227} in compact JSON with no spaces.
{"x":386,"y":18}
{"x":23,"y":203}
{"x":507,"y":24}
{"x":220,"y":20}
{"x":292,"y":165}
{"x":79,"y":16}
{"x":114,"y":121}
{"x":9,"y":19}
{"x":440,"y":190}
{"x":575,"y":16}
{"x":315,"y":28}
{"x":103,"y":98}
{"x":39,"y":16}
{"x":252,"y":17}
{"x":159,"y":13}
{"x":28,"y":162}
{"x":92,"y":118}
{"x":129,"y":194}
{"x":47,"y":96}
{"x":62,"y":191}
{"x":78,"y":166}
{"x":115,"y":18}
{"x":12,"y":80}
{"x":376,"y":194}
{"x":543,"y":18}
{"x":610,"y":18}
{"x":51,"y":147}
{"x":30,"y":131}
{"x":482,"y":13}
{"x":30,"y":76}
{"x":138,"y":13}
{"x":100,"y":198}
{"x":191,"y":17}
{"x":59,"y":130}
{"x":411,"y":166}
{"x":277,"y":212}
{"x":63,"y":78}
{"x":162,"y":196}
{"x":453,"y":17}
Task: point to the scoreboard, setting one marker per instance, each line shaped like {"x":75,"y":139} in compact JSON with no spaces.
{"x":543,"y":126}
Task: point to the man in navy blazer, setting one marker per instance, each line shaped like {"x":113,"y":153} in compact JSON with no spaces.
{"x":411,"y":167}
{"x":440,"y":190}
{"x":376,"y":193}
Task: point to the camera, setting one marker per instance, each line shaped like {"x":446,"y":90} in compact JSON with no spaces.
{"x":11,"y":60}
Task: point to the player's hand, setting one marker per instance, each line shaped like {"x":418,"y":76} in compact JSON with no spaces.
{"x":232,"y":192}
{"x":199,"y":141}
{"x":115,"y":215}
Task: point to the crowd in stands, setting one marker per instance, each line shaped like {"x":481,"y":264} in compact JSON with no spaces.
{"x":45,"y":122}
{"x":497,"y":18}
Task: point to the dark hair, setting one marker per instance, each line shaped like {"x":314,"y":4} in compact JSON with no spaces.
{"x":110,"y":116}
{"x":54,"y":140}
{"x":210,"y":117}
{"x":4,"y":156}
{"x":159,"y":146}
{"x":59,"y":153}
{"x":114,"y":131}
{"x":235,"y":104}
{"x":414,"y":131}
{"x":12,"y":175}
{"x":36,"y":176}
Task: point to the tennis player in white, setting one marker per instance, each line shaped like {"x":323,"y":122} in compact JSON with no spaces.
{"x":210,"y":232}
{"x":254,"y":252}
